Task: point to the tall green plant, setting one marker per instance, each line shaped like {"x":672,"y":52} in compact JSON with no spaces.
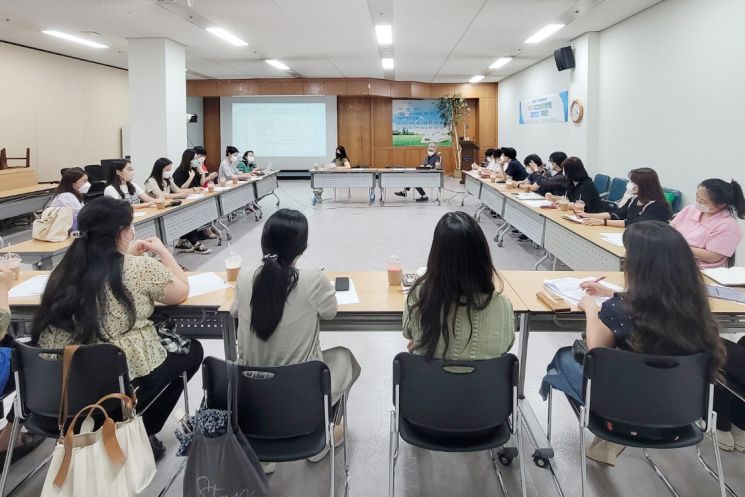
{"x":453,"y":109}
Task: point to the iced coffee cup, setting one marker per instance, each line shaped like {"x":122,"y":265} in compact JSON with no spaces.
{"x":232,"y":267}
{"x":11,"y":262}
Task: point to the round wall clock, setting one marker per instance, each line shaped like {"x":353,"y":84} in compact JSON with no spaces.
{"x":576,"y":110}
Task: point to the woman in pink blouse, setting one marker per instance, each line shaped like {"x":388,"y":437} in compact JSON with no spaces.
{"x":710,"y":226}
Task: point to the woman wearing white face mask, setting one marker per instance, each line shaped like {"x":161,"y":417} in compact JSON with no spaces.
{"x":71,"y":192}
{"x":710,"y":226}
{"x":247,"y":164}
{"x":645,"y":202}
{"x":554,"y":181}
{"x":229,"y":165}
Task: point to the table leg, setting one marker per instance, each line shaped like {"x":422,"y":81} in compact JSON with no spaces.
{"x":539,"y":261}
{"x":229,"y":331}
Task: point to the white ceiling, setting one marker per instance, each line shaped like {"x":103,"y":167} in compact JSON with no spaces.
{"x":434,"y":40}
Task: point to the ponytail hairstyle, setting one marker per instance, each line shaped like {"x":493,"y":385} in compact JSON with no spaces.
{"x":75,"y":296}
{"x":116,"y":181}
{"x":284,"y":239}
{"x":729,"y":194}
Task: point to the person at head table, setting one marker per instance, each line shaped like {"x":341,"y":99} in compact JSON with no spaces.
{"x":580,"y":187}
{"x":710,"y":226}
{"x":646,"y":202}
{"x":104,"y":291}
{"x":456,"y":310}
{"x":340,"y":161}
{"x":248,"y":163}
{"x":433,"y":160}
{"x":553,"y":181}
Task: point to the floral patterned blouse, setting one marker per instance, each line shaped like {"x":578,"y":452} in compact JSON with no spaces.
{"x":146,"y":280}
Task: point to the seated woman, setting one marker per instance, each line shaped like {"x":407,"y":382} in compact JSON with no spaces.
{"x":646,"y":203}
{"x":340,"y":161}
{"x":580,"y":187}
{"x":554,"y":181}
{"x":710,"y":226}
{"x":730,"y":409}
{"x":229,"y":165}
{"x":104,"y":291}
{"x":664,"y":310}
{"x":120,"y":186}
{"x":73,"y":185}
{"x":455,"y":311}
{"x":160,"y":184}
{"x":192,"y":173}
{"x":279,"y":308}
{"x":248,"y":163}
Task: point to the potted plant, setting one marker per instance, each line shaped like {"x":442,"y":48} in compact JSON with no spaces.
{"x":454,"y":109}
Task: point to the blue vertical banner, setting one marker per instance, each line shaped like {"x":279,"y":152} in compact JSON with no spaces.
{"x":553,"y":108}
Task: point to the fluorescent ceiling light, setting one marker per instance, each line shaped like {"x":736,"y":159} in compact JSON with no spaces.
{"x":387,"y":63}
{"x":230,"y":38}
{"x":476,"y":78}
{"x":384,"y":32}
{"x":544,"y":33}
{"x":277,"y":64}
{"x":502,"y":61}
{"x":75,"y":39}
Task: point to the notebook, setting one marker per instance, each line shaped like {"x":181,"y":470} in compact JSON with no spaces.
{"x":727,"y":276}
{"x":569,"y":289}
{"x":726,"y":293}
{"x":573,"y":218}
{"x":613,"y":238}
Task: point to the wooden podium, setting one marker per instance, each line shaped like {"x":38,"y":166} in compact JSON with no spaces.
{"x":469,"y":154}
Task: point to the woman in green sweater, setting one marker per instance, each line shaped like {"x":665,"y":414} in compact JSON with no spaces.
{"x":456,"y":311}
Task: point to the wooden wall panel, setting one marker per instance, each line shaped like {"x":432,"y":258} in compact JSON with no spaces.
{"x":292,"y":87}
{"x":380,"y":87}
{"x":211,"y":110}
{"x":354,"y":131}
{"x":271,"y":87}
{"x":420,"y":90}
{"x":487,"y":124}
{"x":336,"y":87}
{"x":358,"y":87}
{"x":382,"y":128}
{"x":314,"y":88}
{"x":201,"y":87}
{"x":401,"y":89}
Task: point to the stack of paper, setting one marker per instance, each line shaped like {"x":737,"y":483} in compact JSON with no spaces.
{"x":32,"y":287}
{"x":529,"y":196}
{"x":573,"y":218}
{"x":199,"y":284}
{"x":348,"y":297}
{"x":194,"y":196}
{"x":726,"y":293}
{"x":613,"y":238}
{"x":728,"y":276}
{"x":569,"y":289}
{"x":537,"y":203}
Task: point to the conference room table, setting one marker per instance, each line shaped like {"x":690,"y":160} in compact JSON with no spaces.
{"x":579,"y":246}
{"x":380,"y":308}
{"x":25,"y":200}
{"x":170,"y":223}
{"x":370,"y":178}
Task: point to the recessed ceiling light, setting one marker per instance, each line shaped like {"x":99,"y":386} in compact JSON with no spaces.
{"x":230,"y":38}
{"x":384,"y":32}
{"x":544,"y":33}
{"x":476,"y":78}
{"x":500,"y":62}
{"x":387,"y":63}
{"x":277,"y":64}
{"x":75,"y":39}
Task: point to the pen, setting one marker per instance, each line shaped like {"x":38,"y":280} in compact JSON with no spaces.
{"x":598,"y":280}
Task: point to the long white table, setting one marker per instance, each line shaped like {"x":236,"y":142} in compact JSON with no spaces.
{"x":410,"y":178}
{"x":349,"y":178}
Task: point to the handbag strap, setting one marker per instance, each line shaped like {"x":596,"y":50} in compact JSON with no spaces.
{"x":232,"y":396}
{"x":110,"y":442}
{"x":67,"y":358}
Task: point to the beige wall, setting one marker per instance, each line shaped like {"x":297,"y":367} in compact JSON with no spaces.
{"x":68,"y":111}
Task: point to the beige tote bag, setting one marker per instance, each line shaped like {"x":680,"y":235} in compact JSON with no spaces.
{"x":54,"y":225}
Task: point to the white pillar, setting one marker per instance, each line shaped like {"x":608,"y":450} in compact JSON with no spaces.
{"x":157,"y":102}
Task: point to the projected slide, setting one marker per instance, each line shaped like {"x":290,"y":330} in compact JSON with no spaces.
{"x":293,"y":129}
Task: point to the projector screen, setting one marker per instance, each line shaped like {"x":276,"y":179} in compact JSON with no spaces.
{"x":292,"y":133}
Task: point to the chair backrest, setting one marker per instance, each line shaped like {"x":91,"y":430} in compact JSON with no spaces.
{"x":455,"y":397}
{"x":617,"y":189}
{"x":675,"y":197}
{"x":602,"y":182}
{"x":280,"y":402}
{"x":647,"y":390}
{"x":95,"y":173}
{"x":97,"y":370}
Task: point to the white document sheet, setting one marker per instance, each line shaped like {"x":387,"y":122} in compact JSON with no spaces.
{"x":139,"y":214}
{"x":728,"y":276}
{"x":199,"y":284}
{"x":529,"y":196}
{"x":348,"y":297}
{"x":569,"y":289}
{"x":32,"y":287}
{"x":613,"y":238}
{"x":573,"y":218}
{"x":194,"y":196}
{"x":537,"y":203}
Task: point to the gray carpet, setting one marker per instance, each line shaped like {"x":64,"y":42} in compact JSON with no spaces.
{"x":350,"y":236}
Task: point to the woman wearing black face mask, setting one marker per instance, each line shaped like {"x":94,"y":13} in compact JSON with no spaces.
{"x":340,"y":161}
{"x":580,"y":187}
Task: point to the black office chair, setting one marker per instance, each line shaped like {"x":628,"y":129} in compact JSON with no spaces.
{"x":284,"y":411}
{"x":456,"y":406}
{"x":95,"y":191}
{"x":662,"y":402}
{"x":95,"y":173}
{"x":38,"y":379}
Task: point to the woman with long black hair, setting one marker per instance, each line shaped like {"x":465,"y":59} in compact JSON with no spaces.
{"x":279,"y":308}
{"x":120,"y":185}
{"x":664,"y":310}
{"x":455,"y":310}
{"x":104,"y":291}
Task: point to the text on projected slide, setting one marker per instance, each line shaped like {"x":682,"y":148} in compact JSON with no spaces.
{"x":280,"y":129}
